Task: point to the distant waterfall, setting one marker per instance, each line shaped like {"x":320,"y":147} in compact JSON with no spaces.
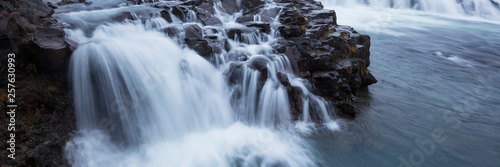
{"x":481,"y":8}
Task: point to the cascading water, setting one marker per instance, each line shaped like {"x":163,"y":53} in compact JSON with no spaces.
{"x":143,"y":100}
{"x":481,"y":8}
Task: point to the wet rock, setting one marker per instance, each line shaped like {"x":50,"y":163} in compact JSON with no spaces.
{"x":234,"y":73}
{"x":252,"y":3}
{"x":193,"y":31}
{"x":258,"y":63}
{"x":270,"y":13}
{"x":319,"y":31}
{"x":263,"y":27}
{"x":321,"y":61}
{"x":283,"y":78}
{"x":54,"y":52}
{"x":217,"y":44}
{"x":173,"y":31}
{"x":180,"y":11}
{"x":201,"y":47}
{"x":124,"y":16}
{"x":289,"y":49}
{"x":326,"y":83}
{"x":293,"y":31}
{"x":238,"y":55}
{"x":207,"y":5}
{"x":232,"y":33}
{"x":497,"y":4}
{"x":293,"y":18}
{"x":206,"y":17}
{"x":33,"y":10}
{"x":296,"y":95}
{"x":66,"y":2}
{"x":166,"y":15}
{"x":328,"y":17}
{"x":230,"y":6}
{"x":245,"y":19}
{"x":6,"y":5}
{"x":369,"y":79}
{"x":346,"y":109}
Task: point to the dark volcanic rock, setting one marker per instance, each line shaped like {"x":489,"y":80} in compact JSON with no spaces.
{"x":166,"y":15}
{"x":245,"y":19}
{"x":259,"y":64}
{"x":292,"y":31}
{"x":333,"y":57}
{"x":296,"y":95}
{"x":193,"y":31}
{"x":206,"y":17}
{"x":54,"y":52}
{"x":283,"y":78}
{"x":321,"y":61}
{"x":263,"y":27}
{"x":326,"y":83}
{"x":38,"y":41}
{"x":200,"y":46}
{"x":29,"y":31}
{"x":252,"y":3}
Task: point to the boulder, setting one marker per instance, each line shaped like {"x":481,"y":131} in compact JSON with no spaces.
{"x":54,"y":51}
{"x":283,"y":78}
{"x":206,"y":17}
{"x":263,"y":27}
{"x":193,"y":31}
{"x":245,"y":19}
{"x":258,"y":63}
{"x":321,"y":61}
{"x":200,"y":46}
{"x":166,"y":15}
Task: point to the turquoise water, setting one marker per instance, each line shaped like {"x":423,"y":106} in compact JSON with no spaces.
{"x":437,"y":100}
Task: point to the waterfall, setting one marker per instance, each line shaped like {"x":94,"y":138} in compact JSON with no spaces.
{"x":143,"y":98}
{"x":480,"y":8}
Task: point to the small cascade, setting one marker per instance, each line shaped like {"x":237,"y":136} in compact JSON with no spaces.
{"x":153,"y":81}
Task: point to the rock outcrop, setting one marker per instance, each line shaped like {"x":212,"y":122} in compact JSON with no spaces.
{"x":334,"y":58}
{"x":44,"y":117}
{"x":27,"y":29}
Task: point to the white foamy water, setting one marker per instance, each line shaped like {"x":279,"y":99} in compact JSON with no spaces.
{"x":478,"y":8}
{"x":235,"y":145}
{"x":144,"y":99}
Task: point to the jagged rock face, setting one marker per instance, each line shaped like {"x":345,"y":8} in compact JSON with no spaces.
{"x":333,"y":57}
{"x":27,"y":29}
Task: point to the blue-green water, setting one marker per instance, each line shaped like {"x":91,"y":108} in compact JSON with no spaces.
{"x":437,"y":100}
